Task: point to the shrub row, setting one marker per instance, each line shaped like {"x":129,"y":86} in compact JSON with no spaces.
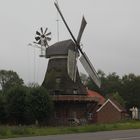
{"x":23,"y":105}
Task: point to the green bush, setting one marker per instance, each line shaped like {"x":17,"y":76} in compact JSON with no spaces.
{"x":40,"y":104}
{"x":17,"y":104}
{"x":2,"y":109}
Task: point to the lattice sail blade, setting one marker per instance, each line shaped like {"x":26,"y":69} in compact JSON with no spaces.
{"x":48,"y":34}
{"x":41,"y":29}
{"x":83,"y":25}
{"x":72,"y":64}
{"x":38,"y":33}
{"x":90,"y":69}
{"x":37,"y":38}
{"x":45,"y":30}
{"x":48,"y":38}
{"x":59,"y":11}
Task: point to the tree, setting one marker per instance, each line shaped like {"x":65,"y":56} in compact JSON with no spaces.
{"x":40,"y":104}
{"x":3,"y":115}
{"x":131,"y":90}
{"x":110,"y":83}
{"x":33,"y":85}
{"x":116,"y":96}
{"x":9,"y":79}
{"x":17,"y":104}
{"x":128,"y":87}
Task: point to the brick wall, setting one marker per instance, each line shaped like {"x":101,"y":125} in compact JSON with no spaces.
{"x":108,"y":114}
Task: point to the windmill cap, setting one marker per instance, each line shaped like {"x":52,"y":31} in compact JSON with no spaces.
{"x":60,"y":48}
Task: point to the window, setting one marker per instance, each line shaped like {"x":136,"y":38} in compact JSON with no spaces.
{"x":58,"y":80}
{"x":75,"y":91}
{"x":90,"y":116}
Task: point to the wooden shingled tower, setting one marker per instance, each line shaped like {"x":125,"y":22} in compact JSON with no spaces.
{"x":60,"y":78}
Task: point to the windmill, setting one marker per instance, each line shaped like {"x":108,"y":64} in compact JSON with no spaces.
{"x":42,"y":39}
{"x":62,"y":75}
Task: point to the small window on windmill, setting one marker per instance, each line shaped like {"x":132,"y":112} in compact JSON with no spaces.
{"x":75,"y":91}
{"x":56,"y":92}
{"x":58,"y":80}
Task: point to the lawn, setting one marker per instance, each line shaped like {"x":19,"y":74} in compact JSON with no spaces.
{"x":22,"y":131}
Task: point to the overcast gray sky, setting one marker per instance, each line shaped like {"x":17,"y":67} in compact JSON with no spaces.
{"x":111,"y":38}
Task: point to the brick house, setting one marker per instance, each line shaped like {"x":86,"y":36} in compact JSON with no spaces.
{"x":110,"y":111}
{"x":89,"y":108}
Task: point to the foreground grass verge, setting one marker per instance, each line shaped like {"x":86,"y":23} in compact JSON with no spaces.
{"x":22,"y":131}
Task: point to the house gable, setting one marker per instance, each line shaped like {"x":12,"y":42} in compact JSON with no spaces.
{"x":113,"y":104}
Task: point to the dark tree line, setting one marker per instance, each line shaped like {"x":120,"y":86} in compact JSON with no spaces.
{"x":9,"y":79}
{"x":127,"y":87}
{"x":20,"y":104}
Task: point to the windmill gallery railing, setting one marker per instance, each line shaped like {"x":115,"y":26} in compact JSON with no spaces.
{"x":74,"y":98}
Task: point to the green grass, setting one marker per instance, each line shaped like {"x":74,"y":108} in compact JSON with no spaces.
{"x":22,"y":131}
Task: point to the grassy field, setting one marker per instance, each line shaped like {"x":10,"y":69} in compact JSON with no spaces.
{"x":22,"y":131}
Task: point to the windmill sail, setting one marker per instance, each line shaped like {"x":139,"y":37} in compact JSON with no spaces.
{"x":59,"y":11}
{"x":90,"y":69}
{"x":84,"y":59}
{"x":71,"y":64}
{"x":83,"y":25}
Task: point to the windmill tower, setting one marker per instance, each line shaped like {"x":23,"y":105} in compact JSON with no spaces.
{"x":62,"y":75}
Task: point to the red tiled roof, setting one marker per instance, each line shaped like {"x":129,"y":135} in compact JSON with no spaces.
{"x":97,"y":95}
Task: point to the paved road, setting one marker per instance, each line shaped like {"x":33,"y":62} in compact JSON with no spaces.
{"x":109,"y":135}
